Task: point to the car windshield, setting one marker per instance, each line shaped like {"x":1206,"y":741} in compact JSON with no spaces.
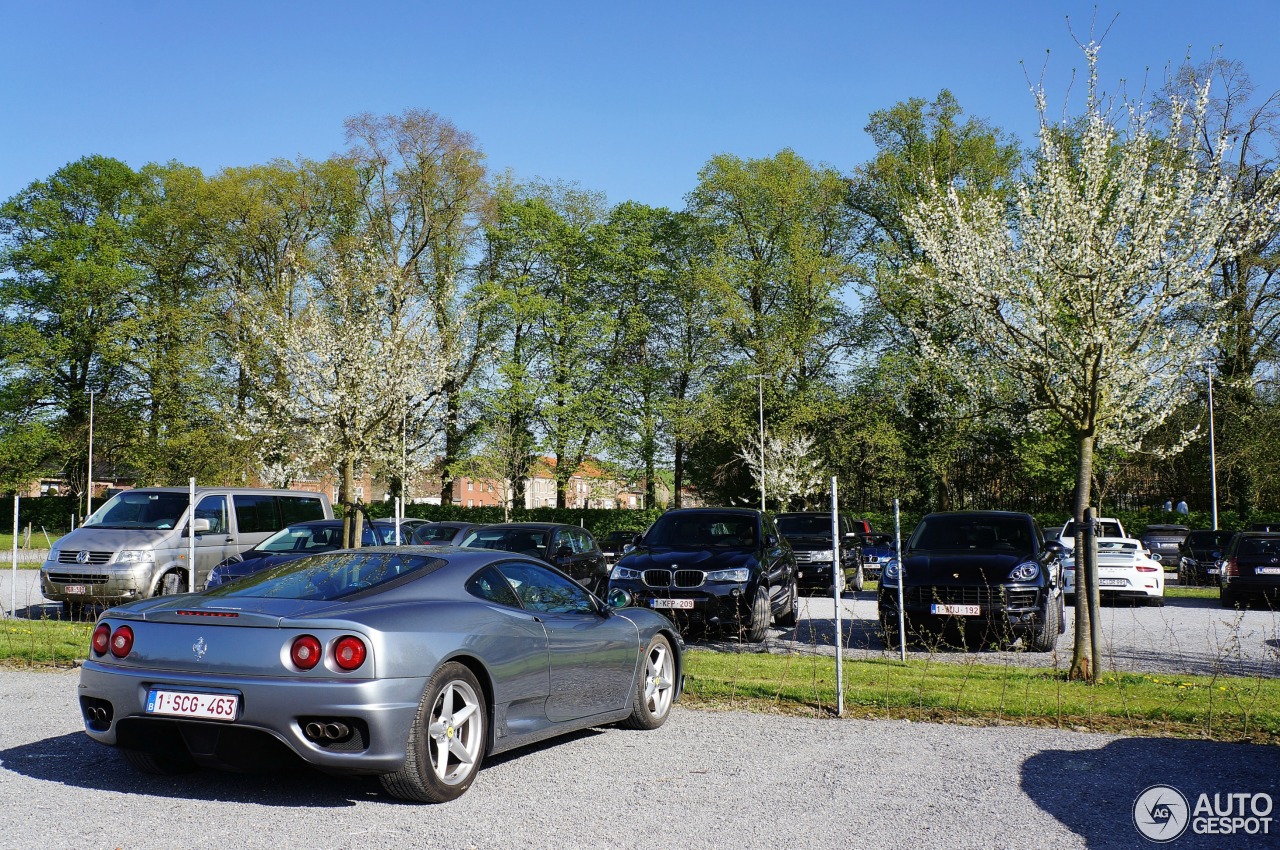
{"x":140,"y":509}
{"x":524,"y":541}
{"x":970,"y":532}
{"x":703,"y":530}
{"x":795,"y":525}
{"x":879,"y":540}
{"x":330,"y":575}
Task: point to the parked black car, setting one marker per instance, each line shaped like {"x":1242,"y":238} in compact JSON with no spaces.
{"x":1164,"y":540}
{"x":1251,"y":570}
{"x":615,"y":543}
{"x":877,"y":550}
{"x":448,"y":533}
{"x":1198,"y":556}
{"x":297,"y":541}
{"x":569,"y":548}
{"x":981,"y":570}
{"x":809,"y":534}
{"x":713,"y":568}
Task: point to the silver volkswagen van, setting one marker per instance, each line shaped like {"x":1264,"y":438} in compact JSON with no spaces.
{"x":136,"y":545}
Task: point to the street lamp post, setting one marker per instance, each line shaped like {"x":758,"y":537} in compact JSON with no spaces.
{"x":760,"y":383}
{"x":1213,"y":454}
{"x":88,"y":497}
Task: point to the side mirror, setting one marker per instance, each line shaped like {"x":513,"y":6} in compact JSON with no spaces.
{"x":637,"y":540}
{"x":198,"y":525}
{"x":619,"y":598}
{"x":770,"y":540}
{"x":1155,"y":556}
{"x":1053,"y":547}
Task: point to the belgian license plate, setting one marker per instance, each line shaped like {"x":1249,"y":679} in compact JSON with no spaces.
{"x":682,"y":604}
{"x":1213,"y":571}
{"x":74,"y":588}
{"x":1112,"y":582}
{"x":1268,"y":571}
{"x":957,"y":610}
{"x":185,"y":704}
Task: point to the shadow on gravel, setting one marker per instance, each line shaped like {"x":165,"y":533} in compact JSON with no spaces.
{"x":1092,"y":792}
{"x":76,"y":760}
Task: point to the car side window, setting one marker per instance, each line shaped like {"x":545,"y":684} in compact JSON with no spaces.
{"x":585,"y":543}
{"x":539,"y":589}
{"x":214,"y":509}
{"x":562,"y":544}
{"x":256,"y":513}
{"x":492,"y":586}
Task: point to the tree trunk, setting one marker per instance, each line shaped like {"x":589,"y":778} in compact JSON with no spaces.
{"x":452,"y":445}
{"x":678,"y":478}
{"x":1082,"y":660}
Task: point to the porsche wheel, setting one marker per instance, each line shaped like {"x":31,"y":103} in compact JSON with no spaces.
{"x":446,"y":741}
{"x":656,"y":690}
{"x":859,"y":580}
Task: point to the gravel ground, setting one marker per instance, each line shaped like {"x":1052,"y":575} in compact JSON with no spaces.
{"x":705,"y":780}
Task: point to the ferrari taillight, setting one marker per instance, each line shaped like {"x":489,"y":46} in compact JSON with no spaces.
{"x":121,"y":641}
{"x":101,"y":639}
{"x":305,"y":652}
{"x":349,"y":652}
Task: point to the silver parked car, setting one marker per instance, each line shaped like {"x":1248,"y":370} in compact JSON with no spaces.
{"x":136,"y":544}
{"x":413,"y":663}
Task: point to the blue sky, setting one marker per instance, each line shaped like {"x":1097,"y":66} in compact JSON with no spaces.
{"x":628,"y":98}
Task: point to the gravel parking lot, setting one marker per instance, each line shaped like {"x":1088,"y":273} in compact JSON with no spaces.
{"x":705,"y":780}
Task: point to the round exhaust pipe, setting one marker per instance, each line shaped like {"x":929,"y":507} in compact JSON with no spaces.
{"x":336,"y":731}
{"x":314,"y":731}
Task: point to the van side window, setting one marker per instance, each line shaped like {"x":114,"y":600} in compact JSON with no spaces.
{"x":214,"y":509}
{"x":256,"y":513}
{"x":295,"y":509}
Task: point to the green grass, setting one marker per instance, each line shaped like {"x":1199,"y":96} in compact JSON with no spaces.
{"x":55,"y":643}
{"x":37,"y":540}
{"x":1152,"y":704}
{"x":1191,"y":592}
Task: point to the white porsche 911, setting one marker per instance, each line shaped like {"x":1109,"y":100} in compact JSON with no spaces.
{"x":1125,"y":571}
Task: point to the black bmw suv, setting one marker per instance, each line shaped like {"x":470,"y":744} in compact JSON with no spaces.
{"x":987,"y":570}
{"x":715,"y":568}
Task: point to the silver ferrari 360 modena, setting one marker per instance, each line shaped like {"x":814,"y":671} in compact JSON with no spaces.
{"x":410,"y":663}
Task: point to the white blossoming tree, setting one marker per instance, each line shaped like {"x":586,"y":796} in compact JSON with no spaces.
{"x":790,"y":474}
{"x":358,"y":355}
{"x":1076,"y":295}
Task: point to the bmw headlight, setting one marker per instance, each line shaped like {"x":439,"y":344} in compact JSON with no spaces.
{"x":135,"y":556}
{"x":625,"y":574}
{"x":892,"y":569}
{"x":1026,"y":571}
{"x":738,"y":574}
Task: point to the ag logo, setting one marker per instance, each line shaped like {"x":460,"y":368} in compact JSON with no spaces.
{"x":1161,"y":813}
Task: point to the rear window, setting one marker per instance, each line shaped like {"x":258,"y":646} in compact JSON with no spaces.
{"x":433,"y":534}
{"x":1104,"y":529}
{"x":1209,"y":539}
{"x":328,"y":576}
{"x":1258,"y":546}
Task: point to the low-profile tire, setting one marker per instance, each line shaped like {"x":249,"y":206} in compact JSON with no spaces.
{"x":447,"y":739}
{"x":1044,"y":637}
{"x":171,"y":584}
{"x":169,"y":763}
{"x":761,"y":615}
{"x":787,"y":618}
{"x":1226,"y":598}
{"x":1155,"y":601}
{"x":656,"y":689}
